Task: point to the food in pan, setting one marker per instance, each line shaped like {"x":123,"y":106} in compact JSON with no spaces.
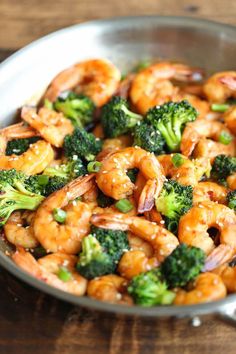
{"x":123,"y":188}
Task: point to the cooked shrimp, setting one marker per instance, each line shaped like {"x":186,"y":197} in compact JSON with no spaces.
{"x":194,"y":225}
{"x":205,"y":191}
{"x":47,"y":269}
{"x":202,"y":106}
{"x":162,"y":240}
{"x":210,"y":149}
{"x":231,"y":181}
{"x":33,"y":161}
{"x":112,"y":145}
{"x":230,"y":119}
{"x":114,"y":182}
{"x":133,"y":263}
{"x":195,"y":131}
{"x":152,"y":85}
{"x":15,"y":131}
{"x":207,"y":287}
{"x":138,"y":244}
{"x":19,"y":230}
{"x":65,"y":237}
{"x":228,"y":276}
{"x":220,"y":86}
{"x":186,"y":174}
{"x":51,"y":125}
{"x":109,"y":288}
{"x":97,"y":79}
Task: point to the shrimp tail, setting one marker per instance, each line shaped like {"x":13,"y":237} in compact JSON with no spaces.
{"x":229,"y":81}
{"x":148,"y":194}
{"x":220,"y":255}
{"x":110,"y":221}
{"x":79,"y":186}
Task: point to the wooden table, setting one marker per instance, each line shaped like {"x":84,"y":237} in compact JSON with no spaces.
{"x":34,"y":323}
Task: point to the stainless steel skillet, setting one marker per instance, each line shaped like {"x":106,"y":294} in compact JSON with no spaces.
{"x":125,"y":41}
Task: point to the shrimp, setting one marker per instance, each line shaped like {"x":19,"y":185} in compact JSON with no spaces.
{"x":206,"y":287}
{"x":15,"y":131}
{"x":64,"y":237}
{"x":19,"y":231}
{"x":230,"y":119}
{"x":228,"y":276}
{"x":186,"y":174}
{"x":202,"y":106}
{"x":135,"y":262}
{"x":97,"y":79}
{"x":210,"y":149}
{"x":138,"y":244}
{"x":231,"y":181}
{"x":205,"y":191}
{"x":109,"y":288}
{"x":114,"y":182}
{"x":194,"y":225}
{"x":112,"y":145}
{"x":33,"y":161}
{"x":47,"y":269}
{"x":51,"y":125}
{"x":152,"y":86}
{"x":195,"y":131}
{"x":162,"y":240}
{"x":220,"y":86}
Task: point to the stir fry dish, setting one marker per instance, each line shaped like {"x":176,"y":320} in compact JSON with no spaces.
{"x":122,"y":188}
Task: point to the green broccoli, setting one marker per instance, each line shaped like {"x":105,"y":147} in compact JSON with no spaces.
{"x":19,"y":146}
{"x":132,"y":174}
{"x":103,"y":200}
{"x":223,"y":166}
{"x":148,"y":289}
{"x":116,"y":117}
{"x":231,"y":199}
{"x":93,"y":261}
{"x":114,"y":242}
{"x":174,"y":201}
{"x":182,"y":265}
{"x":15,"y":195}
{"x":149,"y":138}
{"x":170,"y":119}
{"x":45,"y":185}
{"x":54,"y":184}
{"x":71,"y":169}
{"x":82,"y":144}
{"x":78,"y":108}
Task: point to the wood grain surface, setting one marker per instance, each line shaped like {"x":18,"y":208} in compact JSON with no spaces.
{"x":34,"y":323}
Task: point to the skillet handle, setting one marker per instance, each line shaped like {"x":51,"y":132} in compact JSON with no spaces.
{"x":228,"y":314}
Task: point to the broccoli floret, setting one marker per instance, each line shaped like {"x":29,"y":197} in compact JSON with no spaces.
{"x":149,"y":138}
{"x":174,"y":201}
{"x":103,"y":200}
{"x":93,"y":261}
{"x":231,"y":199}
{"x":148,"y":289}
{"x":78,"y":108}
{"x":114,"y":242}
{"x":14,"y":194}
{"x":71,"y":169}
{"x":116,"y":117}
{"x":82,"y":144}
{"x":37,"y":183}
{"x":182,"y":265}
{"x":19,"y":146}
{"x":132,"y":174}
{"x":170,"y":119}
{"x":223,"y":166}
{"x":54,"y":184}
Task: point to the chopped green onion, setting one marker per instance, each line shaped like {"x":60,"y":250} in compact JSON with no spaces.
{"x":64,"y":274}
{"x":225,"y":138}
{"x":124,"y":205}
{"x":94,"y":166}
{"x":217,"y":107}
{"x":177,"y":160}
{"x":48,"y":104}
{"x":59,"y":215}
{"x":43,"y":180}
